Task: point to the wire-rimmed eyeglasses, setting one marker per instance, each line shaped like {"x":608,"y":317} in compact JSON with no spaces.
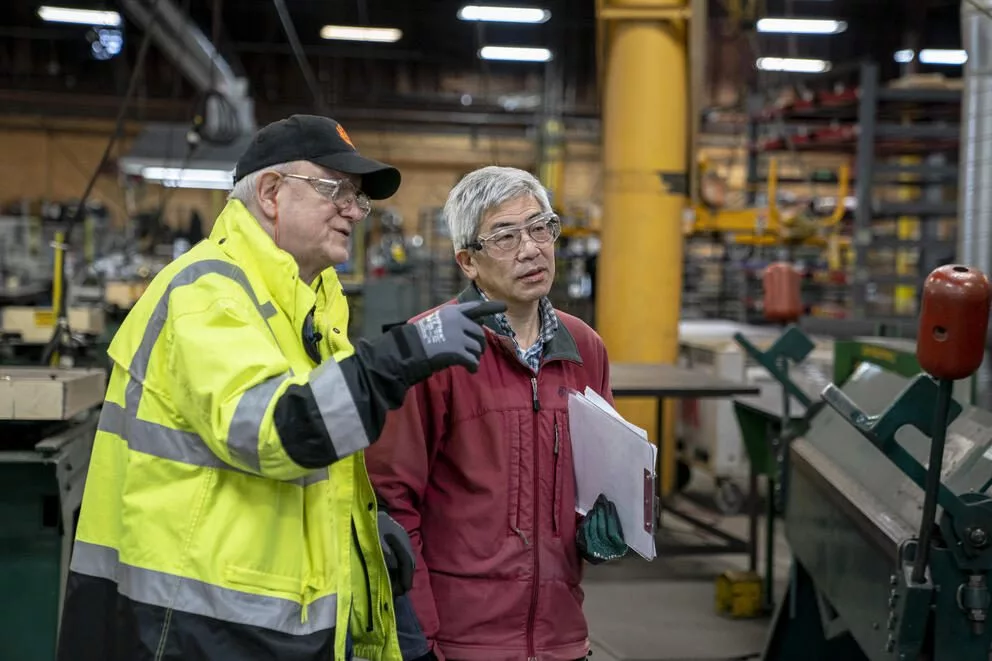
{"x":541,"y":229}
{"x":341,"y":192}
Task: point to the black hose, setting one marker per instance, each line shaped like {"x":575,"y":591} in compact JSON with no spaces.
{"x":937,"y":438}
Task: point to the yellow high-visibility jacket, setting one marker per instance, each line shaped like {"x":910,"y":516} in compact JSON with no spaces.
{"x":227,"y":513}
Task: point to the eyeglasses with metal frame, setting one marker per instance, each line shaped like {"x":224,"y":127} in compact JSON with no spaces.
{"x":542,"y":229}
{"x":342,"y":192}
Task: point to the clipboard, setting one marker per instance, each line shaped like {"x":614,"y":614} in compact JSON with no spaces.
{"x":613,"y":457}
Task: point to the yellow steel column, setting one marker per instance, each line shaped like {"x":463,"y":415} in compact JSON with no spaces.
{"x":551,"y":166}
{"x":645,"y":173}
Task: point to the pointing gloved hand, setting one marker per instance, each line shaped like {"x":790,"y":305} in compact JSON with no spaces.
{"x":398,"y":553}
{"x":452,"y":335}
{"x":600,"y":535}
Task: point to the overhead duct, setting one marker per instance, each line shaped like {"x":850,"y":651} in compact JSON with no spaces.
{"x":160,"y":151}
{"x":193,"y":54}
{"x":975,"y":193}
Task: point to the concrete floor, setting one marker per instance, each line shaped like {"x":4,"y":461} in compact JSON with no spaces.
{"x":664,"y":610}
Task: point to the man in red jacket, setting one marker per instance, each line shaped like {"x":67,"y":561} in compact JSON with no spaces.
{"x":478,"y":467}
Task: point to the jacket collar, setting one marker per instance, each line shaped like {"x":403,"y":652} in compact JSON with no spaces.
{"x":561,"y":347}
{"x":240,"y":236}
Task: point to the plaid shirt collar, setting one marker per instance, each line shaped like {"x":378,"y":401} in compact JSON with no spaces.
{"x":549,"y":326}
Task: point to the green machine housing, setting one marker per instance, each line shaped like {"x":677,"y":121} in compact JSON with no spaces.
{"x":851,"y":469}
{"x":48,"y":420}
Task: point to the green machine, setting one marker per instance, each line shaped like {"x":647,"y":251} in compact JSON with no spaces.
{"x":885,"y":482}
{"x":767,"y":430}
{"x":48,"y":420}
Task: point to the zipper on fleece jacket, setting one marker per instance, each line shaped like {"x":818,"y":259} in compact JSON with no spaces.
{"x":554,"y":484}
{"x":531,"y":652}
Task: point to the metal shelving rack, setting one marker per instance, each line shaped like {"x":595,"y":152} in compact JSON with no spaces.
{"x":935,"y":142}
{"x":903,"y":141}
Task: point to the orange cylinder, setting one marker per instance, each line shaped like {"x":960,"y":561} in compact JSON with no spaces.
{"x":783,"y":292}
{"x":953,"y":319}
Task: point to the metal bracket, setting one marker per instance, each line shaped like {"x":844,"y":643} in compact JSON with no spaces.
{"x":913,"y":406}
{"x":973,"y":598}
{"x":793,"y":345}
{"x":675,"y":183}
{"x":661,"y":11}
{"x":650,"y":502}
{"x":909,"y":607}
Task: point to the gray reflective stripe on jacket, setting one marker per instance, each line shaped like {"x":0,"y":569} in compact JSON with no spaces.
{"x":327,"y":382}
{"x":187,"y":595}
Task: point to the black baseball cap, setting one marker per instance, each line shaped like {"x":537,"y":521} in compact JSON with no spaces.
{"x":320,"y":140}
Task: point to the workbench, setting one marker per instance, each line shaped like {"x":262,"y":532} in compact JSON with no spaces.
{"x":663,"y":382}
{"x":48,"y":421}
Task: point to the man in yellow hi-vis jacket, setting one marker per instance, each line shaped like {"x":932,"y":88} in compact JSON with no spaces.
{"x":227,"y":514}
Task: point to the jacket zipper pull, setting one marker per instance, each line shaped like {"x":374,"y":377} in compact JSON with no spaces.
{"x":556,"y":439}
{"x":533,"y":387}
{"x":522,"y":536}
{"x":307,"y":600}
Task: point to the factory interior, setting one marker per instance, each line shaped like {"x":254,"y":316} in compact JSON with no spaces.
{"x":775,"y":214}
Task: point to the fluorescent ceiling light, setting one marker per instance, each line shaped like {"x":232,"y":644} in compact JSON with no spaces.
{"x":792,"y":65}
{"x":82,"y":16}
{"x":503,"y":14}
{"x":189,"y":178}
{"x":941,"y":56}
{"x":354,"y":33}
{"x":515,"y":53}
{"x":904,"y":56}
{"x":801,"y":25}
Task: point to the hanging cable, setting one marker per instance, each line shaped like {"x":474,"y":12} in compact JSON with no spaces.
{"x":301,"y":58}
{"x":215,"y":118}
{"x":61,"y":340}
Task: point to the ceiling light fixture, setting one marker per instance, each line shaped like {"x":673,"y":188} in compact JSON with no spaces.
{"x":515,"y":54}
{"x":904,"y":56}
{"x":81,"y":16}
{"x":801,"y":25}
{"x":943,"y":56}
{"x":355,"y":33}
{"x":793,"y":65}
{"x":189,"y":178}
{"x":503,"y":14}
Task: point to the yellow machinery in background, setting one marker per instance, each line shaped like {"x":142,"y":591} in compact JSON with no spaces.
{"x":769,"y":225}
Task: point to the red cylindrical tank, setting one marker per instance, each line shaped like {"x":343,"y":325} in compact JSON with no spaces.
{"x":783,"y":297}
{"x":953,"y":320}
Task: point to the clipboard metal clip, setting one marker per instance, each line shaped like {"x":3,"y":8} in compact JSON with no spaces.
{"x":650,"y":502}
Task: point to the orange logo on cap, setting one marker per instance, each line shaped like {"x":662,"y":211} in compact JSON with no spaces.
{"x":345,"y":137}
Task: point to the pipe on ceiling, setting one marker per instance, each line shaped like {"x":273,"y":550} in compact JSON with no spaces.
{"x":193,"y":53}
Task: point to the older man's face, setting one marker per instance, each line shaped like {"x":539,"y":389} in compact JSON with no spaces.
{"x":518,"y":276}
{"x":311,"y":226}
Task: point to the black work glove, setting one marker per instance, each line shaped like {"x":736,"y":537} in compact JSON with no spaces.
{"x":600,"y":535}
{"x":452,"y":335}
{"x":398,"y":552}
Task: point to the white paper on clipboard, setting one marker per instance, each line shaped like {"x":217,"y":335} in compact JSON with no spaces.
{"x":613,"y":457}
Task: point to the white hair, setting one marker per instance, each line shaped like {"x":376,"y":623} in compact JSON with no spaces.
{"x":483,"y":190}
{"x":244,"y":189}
